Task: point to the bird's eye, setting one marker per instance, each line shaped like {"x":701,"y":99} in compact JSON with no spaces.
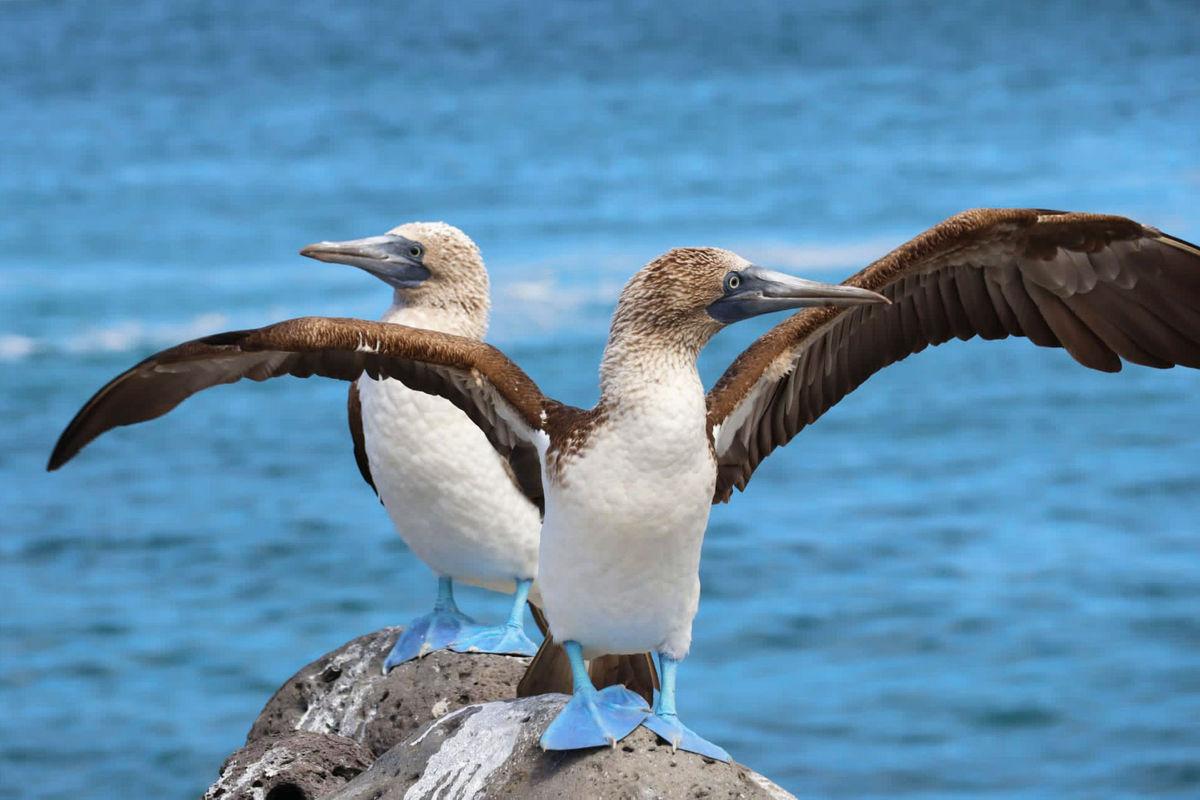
{"x":732,"y":281}
{"x":415,"y":251}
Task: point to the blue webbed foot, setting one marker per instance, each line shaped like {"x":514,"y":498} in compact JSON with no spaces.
{"x":665,"y":721}
{"x":595,"y":719}
{"x":681,"y":737}
{"x":433,"y":631}
{"x":506,"y":639}
{"x":501,"y":639}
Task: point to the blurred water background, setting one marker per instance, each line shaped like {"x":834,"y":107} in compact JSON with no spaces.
{"x":978,"y":576}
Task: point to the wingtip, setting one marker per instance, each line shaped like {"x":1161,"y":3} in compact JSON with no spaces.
{"x":63,"y":451}
{"x":57,"y":459}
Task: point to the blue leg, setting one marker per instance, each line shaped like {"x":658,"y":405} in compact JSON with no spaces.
{"x":591,"y":718}
{"x":433,"y":631}
{"x":508,"y":638}
{"x":665,"y":722}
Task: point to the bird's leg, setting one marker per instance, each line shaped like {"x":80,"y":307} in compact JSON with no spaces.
{"x":506,"y":639}
{"x":435,"y":630}
{"x":593,"y":718}
{"x":665,"y":722}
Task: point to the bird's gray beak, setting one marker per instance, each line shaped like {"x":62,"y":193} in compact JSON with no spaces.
{"x":395,"y":260}
{"x":756,"y":291}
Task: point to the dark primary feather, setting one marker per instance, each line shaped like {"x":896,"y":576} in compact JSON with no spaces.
{"x":474,"y":376}
{"x":354,"y":418}
{"x":1104,"y":288}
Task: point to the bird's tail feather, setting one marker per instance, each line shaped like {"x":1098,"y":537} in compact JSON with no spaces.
{"x":635,"y":671}
{"x":550,"y":670}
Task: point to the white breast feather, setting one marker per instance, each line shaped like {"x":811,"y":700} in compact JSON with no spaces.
{"x":443,"y":485}
{"x":620,"y":548}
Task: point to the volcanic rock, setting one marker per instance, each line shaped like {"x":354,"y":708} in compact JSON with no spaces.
{"x":346,"y":693}
{"x":299,"y":766}
{"x":491,"y":751}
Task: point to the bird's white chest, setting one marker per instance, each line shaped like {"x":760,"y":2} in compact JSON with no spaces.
{"x":444,"y":486}
{"x":621,"y":540}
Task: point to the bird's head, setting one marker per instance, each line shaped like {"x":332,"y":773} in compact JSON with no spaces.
{"x":429,"y":264}
{"x":690,"y":293}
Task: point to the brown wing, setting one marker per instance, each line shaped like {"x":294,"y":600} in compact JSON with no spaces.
{"x":1103,"y":287}
{"x":354,"y":417}
{"x":501,"y":399}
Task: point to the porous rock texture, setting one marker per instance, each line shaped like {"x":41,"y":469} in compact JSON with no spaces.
{"x":346,"y":693}
{"x":445,"y":726}
{"x":300,"y":766}
{"x":491,"y":751}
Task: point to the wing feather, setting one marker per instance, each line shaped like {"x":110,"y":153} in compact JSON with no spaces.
{"x":1078,"y":340}
{"x":500,"y":398}
{"x":1104,"y":288}
{"x":354,"y":418}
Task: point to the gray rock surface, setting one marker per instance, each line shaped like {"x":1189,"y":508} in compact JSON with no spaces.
{"x":300,"y":766}
{"x":346,"y":693}
{"x":445,"y":727}
{"x":491,"y":751}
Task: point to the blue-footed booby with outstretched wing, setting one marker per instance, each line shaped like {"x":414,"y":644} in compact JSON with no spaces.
{"x":469,"y":513}
{"x":457,"y":504}
{"x":628,"y":484}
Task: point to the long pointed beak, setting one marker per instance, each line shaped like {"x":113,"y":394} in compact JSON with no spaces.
{"x":393,"y":259}
{"x":761,"y":291}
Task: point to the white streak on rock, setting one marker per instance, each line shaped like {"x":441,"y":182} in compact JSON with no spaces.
{"x":272,"y":762}
{"x":432,"y":728}
{"x":463,"y":763}
{"x":769,"y":786}
{"x":339,"y":711}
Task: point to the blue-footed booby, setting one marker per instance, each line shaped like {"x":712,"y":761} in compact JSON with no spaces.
{"x":454,"y":500}
{"x":628,"y":483}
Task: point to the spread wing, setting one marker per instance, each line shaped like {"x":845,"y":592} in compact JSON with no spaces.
{"x":493,"y":391}
{"x":1105,"y":288}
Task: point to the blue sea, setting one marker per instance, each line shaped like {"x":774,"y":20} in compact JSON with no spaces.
{"x":978,"y":576}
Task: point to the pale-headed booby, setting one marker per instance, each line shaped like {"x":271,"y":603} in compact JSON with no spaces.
{"x":628,"y":483}
{"x":454,"y":500}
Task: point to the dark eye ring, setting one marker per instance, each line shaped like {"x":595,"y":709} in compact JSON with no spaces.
{"x":415,"y":251}
{"x":733,"y":281}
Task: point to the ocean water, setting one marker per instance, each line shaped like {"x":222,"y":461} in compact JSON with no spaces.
{"x":978,"y":576}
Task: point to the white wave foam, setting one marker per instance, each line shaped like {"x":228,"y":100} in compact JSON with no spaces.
{"x":14,"y":347}
{"x":119,"y":337}
{"x":818,"y":257}
{"x":548,"y":305}
{"x":125,"y":336}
